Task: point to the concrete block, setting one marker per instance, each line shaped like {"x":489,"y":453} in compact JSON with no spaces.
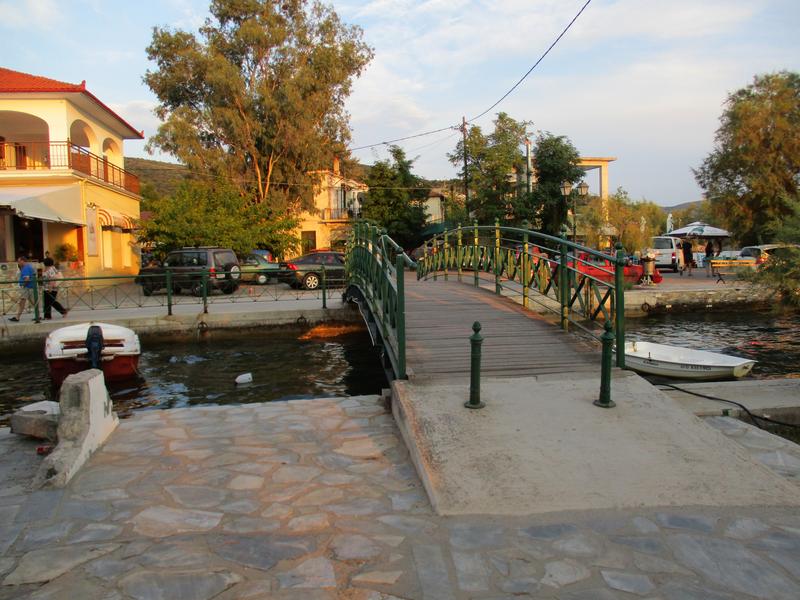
{"x":87,"y":419}
{"x":39,"y":420}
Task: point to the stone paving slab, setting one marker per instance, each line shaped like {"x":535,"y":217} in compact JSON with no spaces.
{"x":335,"y":510}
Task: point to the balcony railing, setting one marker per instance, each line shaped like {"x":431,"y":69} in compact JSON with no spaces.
{"x":50,"y":156}
{"x":338,"y":214}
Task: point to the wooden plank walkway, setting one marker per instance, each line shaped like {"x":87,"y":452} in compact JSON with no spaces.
{"x":517,"y":341}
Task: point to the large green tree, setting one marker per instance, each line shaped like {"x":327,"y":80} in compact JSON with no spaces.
{"x":555,"y":161}
{"x":256,"y":97}
{"x":492,"y":161}
{"x":752,"y":176}
{"x":213,"y":214}
{"x":395,"y":197}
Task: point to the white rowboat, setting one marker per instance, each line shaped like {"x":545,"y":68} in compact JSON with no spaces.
{"x":684,"y":363}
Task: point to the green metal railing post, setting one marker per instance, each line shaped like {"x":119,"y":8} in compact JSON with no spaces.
{"x":525,"y":264}
{"x":619,"y":284}
{"x":475,"y":248}
{"x":36,"y":315}
{"x":400,"y":316}
{"x":498,"y":289}
{"x":563,"y":279}
{"x":607,"y":339}
{"x":459,"y":252}
{"x":446,"y":255}
{"x":324,"y":294}
{"x":169,"y":291}
{"x":475,"y":340}
{"x":205,"y":290}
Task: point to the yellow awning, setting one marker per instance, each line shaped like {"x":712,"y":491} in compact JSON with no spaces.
{"x":58,"y":204}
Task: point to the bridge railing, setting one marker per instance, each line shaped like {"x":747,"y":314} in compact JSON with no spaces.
{"x":376,"y":265}
{"x":582,"y":286}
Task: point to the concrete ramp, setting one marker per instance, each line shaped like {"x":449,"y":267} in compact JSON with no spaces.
{"x":540,"y":445}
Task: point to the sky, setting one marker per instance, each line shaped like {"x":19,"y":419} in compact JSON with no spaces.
{"x":641,"y":80}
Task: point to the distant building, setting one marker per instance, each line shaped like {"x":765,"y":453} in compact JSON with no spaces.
{"x":63,"y":177}
{"x":337,"y":201}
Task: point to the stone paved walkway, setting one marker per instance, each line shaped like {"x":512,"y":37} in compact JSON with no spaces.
{"x":317,"y":499}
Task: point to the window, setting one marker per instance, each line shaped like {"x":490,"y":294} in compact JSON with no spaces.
{"x":221,"y":259}
{"x":662,"y":244}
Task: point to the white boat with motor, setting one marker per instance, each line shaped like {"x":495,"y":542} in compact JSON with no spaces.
{"x":112,"y":348}
{"x":684,"y":363}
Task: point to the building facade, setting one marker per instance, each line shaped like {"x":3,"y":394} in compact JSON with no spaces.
{"x":64,"y":190}
{"x":337,"y":203}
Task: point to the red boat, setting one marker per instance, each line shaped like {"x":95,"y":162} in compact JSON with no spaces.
{"x":603,"y":269}
{"x":72,"y":349}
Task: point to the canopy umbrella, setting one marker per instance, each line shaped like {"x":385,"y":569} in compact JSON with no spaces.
{"x":699,"y":229}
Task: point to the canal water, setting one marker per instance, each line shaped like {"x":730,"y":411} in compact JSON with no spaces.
{"x":286,"y":364}
{"x":772,"y":339}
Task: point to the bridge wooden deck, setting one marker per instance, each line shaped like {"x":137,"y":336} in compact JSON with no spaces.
{"x":517,"y":341}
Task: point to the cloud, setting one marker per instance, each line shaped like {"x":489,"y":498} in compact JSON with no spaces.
{"x":29,"y":14}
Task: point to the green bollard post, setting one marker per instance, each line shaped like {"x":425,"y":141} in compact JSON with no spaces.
{"x":475,"y":340}
{"x":607,"y":339}
{"x":169,"y":291}
{"x":205,"y":290}
{"x":36,"y":316}
{"x":324,"y":295}
{"x":619,"y":285}
{"x":475,"y":259}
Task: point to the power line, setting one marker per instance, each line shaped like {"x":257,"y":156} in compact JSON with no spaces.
{"x":536,"y":64}
{"x":503,"y":97}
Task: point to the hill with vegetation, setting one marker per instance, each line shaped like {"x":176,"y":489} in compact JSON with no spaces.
{"x":159,"y":179}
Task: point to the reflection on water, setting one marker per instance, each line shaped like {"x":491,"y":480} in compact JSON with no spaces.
{"x":285,"y":364}
{"x":771,"y":339}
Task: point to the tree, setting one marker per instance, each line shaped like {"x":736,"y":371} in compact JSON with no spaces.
{"x":752,"y":176}
{"x":634,"y":222}
{"x":395,"y":197}
{"x":203,"y":214}
{"x":555,"y":161}
{"x":257,"y":97}
{"x":491,"y":163}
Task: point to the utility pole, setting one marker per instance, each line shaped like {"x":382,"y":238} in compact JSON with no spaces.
{"x":466,"y":174}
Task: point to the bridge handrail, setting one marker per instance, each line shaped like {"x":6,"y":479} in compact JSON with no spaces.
{"x":376,"y":265}
{"x":565,"y":274}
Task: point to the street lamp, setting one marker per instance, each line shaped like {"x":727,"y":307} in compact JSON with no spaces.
{"x":566,"y":191}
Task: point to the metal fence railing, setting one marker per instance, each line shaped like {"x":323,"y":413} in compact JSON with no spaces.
{"x":202,"y":289}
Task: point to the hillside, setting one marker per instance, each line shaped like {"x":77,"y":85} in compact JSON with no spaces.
{"x":162,"y":178}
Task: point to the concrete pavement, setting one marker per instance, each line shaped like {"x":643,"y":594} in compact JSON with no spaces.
{"x":317,"y":500}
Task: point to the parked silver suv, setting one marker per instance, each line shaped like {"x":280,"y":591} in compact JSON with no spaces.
{"x":188,"y":265}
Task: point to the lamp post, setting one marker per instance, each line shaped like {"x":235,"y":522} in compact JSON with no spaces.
{"x":566,"y":191}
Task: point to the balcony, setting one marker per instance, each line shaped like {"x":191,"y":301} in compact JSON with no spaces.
{"x":338,"y":214}
{"x":56,"y":156}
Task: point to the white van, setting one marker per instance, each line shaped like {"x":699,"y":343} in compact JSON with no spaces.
{"x":668,"y":252}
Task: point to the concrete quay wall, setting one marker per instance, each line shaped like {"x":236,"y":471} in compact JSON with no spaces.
{"x":641,"y":302}
{"x":187,"y":320}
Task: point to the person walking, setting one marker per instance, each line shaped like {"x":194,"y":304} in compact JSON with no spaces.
{"x":27,"y":279}
{"x":50,"y":278}
{"x":687,"y":256}
{"x":709,"y":256}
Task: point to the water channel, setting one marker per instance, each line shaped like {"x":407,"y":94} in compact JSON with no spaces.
{"x":295,"y":363}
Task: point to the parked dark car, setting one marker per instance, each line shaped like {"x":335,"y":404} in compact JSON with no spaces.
{"x":188,"y":265}
{"x":306,"y":271}
{"x":256,"y":268}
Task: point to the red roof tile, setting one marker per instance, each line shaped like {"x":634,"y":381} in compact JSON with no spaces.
{"x":16,"y":82}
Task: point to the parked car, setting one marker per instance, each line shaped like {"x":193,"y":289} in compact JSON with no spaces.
{"x":761,"y":253}
{"x":256,"y":268}
{"x":668,"y":252}
{"x":306,"y":271}
{"x":188,"y":265}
